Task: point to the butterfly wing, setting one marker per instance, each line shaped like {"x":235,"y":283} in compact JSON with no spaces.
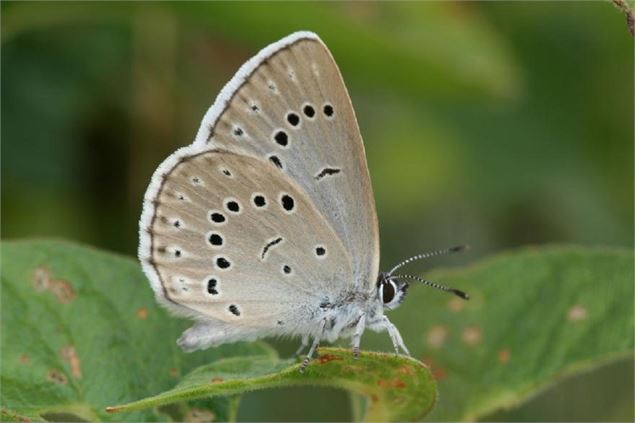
{"x":283,"y":134}
{"x":233,"y":240}
{"x":289,"y":105}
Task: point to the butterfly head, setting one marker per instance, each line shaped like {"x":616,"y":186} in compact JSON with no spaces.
{"x":391,"y":291}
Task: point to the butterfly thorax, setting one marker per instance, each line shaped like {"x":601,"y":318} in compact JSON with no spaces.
{"x":343,"y":312}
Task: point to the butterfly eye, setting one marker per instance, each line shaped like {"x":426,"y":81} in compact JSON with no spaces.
{"x":387,"y":291}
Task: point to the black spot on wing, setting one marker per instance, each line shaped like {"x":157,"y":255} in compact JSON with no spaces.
{"x":276,"y":161}
{"x":269,"y":245}
{"x":327,"y":171}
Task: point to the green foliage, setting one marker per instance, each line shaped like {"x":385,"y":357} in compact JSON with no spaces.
{"x":398,"y":388}
{"x":366,"y":41}
{"x":81,"y":331}
{"x":534,"y":316}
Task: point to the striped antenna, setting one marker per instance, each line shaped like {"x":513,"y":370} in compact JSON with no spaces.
{"x":456,"y":292}
{"x":450,"y":250}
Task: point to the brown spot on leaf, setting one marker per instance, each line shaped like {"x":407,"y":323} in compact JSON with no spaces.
{"x":41,"y":279}
{"x":438,"y":372}
{"x":393,"y":383}
{"x":217,"y":379}
{"x":398,"y":383}
{"x":503,"y":356}
{"x":199,"y":415}
{"x":472,"y":335}
{"x":63,"y":290}
{"x":142,"y":313}
{"x":406,"y":370}
{"x":456,"y":304}
{"x":325,"y":358}
{"x":436,"y":336}
{"x":577,"y":313}
{"x":174,"y":372}
{"x":56,"y":376}
{"x":374,"y":398}
{"x":69,"y":354}
{"x":24,"y":359}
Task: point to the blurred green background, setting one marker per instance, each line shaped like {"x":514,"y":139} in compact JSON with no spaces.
{"x":493,"y":124}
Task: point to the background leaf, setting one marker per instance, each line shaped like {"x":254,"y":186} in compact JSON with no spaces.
{"x":81,"y":330}
{"x":534,"y":317}
{"x":398,"y":388}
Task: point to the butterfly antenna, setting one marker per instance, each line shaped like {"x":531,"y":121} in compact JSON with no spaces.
{"x":456,"y":292}
{"x":450,"y":250}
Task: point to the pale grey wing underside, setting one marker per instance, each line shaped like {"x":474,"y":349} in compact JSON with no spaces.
{"x":294,"y":111}
{"x":235,"y":240}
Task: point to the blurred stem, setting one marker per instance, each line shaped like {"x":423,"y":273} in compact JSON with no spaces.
{"x":628,"y":12}
{"x":358,"y":406}
{"x":234,"y":403}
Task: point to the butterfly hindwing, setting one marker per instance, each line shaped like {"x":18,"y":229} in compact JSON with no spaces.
{"x":235,"y":240}
{"x":289,"y":106}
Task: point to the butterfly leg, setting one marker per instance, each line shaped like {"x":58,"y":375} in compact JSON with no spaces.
{"x":316,"y":343}
{"x":395,"y":336}
{"x":305,"y":342}
{"x":357,"y":335}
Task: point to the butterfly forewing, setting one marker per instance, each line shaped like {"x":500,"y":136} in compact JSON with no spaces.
{"x":292,"y":110}
{"x":235,"y":239}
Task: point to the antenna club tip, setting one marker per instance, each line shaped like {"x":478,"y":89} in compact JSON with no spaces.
{"x":460,"y":248}
{"x":461,"y":294}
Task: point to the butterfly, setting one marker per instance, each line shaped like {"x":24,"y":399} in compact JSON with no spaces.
{"x":266,"y":224}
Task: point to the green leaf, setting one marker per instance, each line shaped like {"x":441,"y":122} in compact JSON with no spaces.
{"x":534,"y":317}
{"x":81,"y":330}
{"x":398,"y":388}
